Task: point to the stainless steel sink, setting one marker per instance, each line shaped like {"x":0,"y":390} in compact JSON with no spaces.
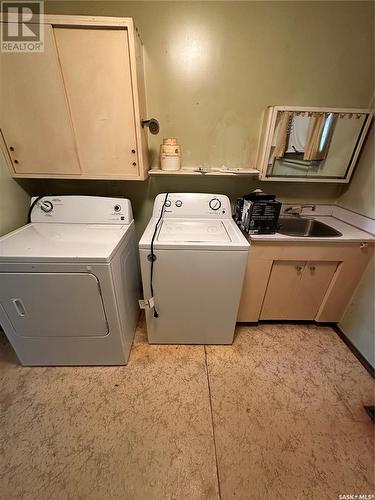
{"x":298,"y":226}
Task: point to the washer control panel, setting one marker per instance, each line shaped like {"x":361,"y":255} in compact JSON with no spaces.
{"x":187,"y":205}
{"x":82,"y":209}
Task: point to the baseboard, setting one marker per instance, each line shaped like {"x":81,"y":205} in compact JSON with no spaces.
{"x":354,"y":350}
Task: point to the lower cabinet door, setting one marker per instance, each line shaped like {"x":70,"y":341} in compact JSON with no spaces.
{"x":254,"y":288}
{"x":282,"y":290}
{"x":315,"y":280}
{"x":296,"y":289}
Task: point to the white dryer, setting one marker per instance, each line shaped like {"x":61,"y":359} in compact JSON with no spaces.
{"x":69,"y":282}
{"x":193,"y":260}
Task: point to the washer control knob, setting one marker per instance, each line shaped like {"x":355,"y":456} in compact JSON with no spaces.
{"x":178,"y":203}
{"x":46,"y":206}
{"x":168,"y":203}
{"x":214,"y":204}
{"x":117,"y":208}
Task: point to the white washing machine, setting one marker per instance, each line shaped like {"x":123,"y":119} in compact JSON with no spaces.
{"x":69,"y":282}
{"x":193,"y":260}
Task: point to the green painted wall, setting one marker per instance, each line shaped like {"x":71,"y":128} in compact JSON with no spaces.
{"x":359,"y":320}
{"x":14,"y":201}
{"x":359,"y":194}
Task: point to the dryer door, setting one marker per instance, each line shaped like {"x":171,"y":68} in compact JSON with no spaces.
{"x":53,"y":304}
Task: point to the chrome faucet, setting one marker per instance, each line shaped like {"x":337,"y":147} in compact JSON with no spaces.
{"x":297,"y":209}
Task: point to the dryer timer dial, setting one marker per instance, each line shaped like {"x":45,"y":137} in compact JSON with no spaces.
{"x":46,"y":206}
{"x":214,"y":204}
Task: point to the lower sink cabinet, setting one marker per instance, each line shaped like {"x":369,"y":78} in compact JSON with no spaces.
{"x":296,"y":289}
{"x":300,"y":281}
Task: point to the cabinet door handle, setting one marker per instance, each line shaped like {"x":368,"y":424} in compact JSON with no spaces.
{"x":299,"y":268}
{"x":312,"y":268}
{"x":363,"y":245}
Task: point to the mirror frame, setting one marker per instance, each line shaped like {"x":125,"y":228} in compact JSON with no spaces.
{"x":268,"y":128}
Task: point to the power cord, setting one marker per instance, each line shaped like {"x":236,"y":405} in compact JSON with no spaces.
{"x":152,"y":255}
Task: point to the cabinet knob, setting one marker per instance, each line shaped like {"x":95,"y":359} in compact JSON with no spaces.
{"x":312,"y":268}
{"x":134,"y":164}
{"x":363,"y":245}
{"x":11,"y":148}
{"x":133,"y":151}
{"x":299,"y":268}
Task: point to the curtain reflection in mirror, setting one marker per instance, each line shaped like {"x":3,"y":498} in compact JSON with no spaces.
{"x":302,"y":141}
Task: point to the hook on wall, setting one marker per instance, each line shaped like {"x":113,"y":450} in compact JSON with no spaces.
{"x":152,"y":124}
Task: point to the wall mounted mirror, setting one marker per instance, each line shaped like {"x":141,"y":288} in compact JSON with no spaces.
{"x":313,"y":144}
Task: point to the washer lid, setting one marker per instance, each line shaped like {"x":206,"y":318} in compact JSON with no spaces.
{"x":62,"y":242}
{"x":194,"y":234}
{"x":193,"y":230}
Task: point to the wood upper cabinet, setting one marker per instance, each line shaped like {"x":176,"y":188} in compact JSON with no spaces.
{"x":75,"y":110}
{"x":96,"y":68}
{"x":35,"y":120}
{"x":296,"y":289}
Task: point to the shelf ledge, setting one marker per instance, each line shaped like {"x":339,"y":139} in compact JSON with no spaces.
{"x":195,"y":171}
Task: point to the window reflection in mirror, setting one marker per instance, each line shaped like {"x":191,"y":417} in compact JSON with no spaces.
{"x":314,"y":144}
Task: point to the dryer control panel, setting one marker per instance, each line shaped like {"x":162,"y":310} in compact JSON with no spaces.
{"x":200,"y":205}
{"x":82,"y":210}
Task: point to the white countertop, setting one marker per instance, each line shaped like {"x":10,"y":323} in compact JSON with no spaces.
{"x":349,"y":233}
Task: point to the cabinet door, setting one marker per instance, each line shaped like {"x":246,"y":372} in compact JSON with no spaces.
{"x":296,"y":289}
{"x":282,"y":293}
{"x":35,"y":119}
{"x":254,"y":288}
{"x":96,"y":68}
{"x":315,"y":280}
